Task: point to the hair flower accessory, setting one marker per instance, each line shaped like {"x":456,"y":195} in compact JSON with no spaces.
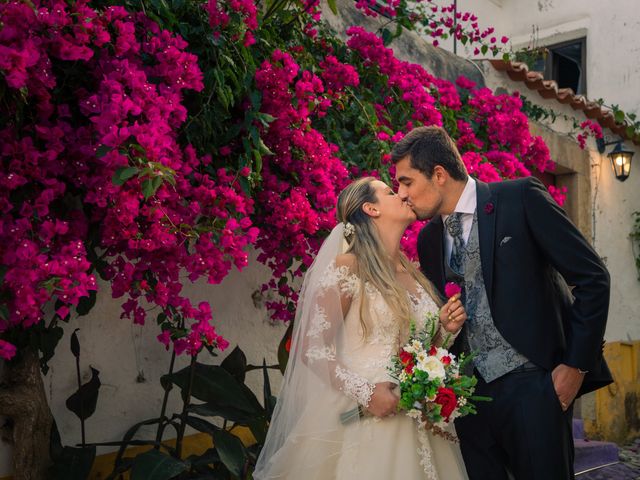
{"x":488,"y":208}
{"x":348,"y":229}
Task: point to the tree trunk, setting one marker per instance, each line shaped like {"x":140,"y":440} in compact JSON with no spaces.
{"x":23,"y":401}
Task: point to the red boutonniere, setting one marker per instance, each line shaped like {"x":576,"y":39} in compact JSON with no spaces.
{"x":488,"y":208}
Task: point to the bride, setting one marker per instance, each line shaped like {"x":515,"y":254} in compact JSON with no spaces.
{"x":336,"y":415}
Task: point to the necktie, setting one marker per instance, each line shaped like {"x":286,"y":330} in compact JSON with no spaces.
{"x":454,"y":227}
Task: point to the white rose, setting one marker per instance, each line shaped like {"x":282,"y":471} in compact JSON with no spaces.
{"x":433,"y":367}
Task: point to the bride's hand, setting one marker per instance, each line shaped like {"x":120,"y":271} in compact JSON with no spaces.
{"x":453,"y":315}
{"x":383,"y":400}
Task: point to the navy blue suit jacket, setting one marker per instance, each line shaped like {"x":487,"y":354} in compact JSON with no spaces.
{"x":530,"y":252}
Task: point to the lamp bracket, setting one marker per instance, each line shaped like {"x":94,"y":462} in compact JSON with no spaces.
{"x":601,"y":143}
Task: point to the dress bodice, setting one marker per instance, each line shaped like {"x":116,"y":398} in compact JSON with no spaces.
{"x":370,"y":355}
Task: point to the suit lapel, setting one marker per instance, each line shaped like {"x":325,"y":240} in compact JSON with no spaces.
{"x":437,"y":245}
{"x":486,"y":208}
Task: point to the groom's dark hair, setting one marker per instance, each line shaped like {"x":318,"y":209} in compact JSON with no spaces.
{"x":427,"y":147}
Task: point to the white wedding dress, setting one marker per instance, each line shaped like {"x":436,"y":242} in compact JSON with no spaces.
{"x":389,"y":448}
{"x":332,"y":370}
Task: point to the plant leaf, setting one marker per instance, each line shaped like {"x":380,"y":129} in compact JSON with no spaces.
{"x":236,"y":364}
{"x":86,"y":303}
{"x":83,"y":402}
{"x":121,"y":175}
{"x":215,"y":385}
{"x":102,"y":150}
{"x":155,"y":465}
{"x":75,"y":344}
{"x":231,"y":451}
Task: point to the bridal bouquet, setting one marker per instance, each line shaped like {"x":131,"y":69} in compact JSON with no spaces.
{"x":432,"y":389}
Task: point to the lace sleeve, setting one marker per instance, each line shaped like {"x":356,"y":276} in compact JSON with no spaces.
{"x":445,"y":339}
{"x":322,"y":336}
{"x":319,"y":391}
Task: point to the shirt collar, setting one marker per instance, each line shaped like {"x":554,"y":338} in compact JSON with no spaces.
{"x":467,"y":202}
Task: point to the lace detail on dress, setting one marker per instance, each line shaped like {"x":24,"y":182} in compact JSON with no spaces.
{"x":340,"y":276}
{"x":424,"y":452}
{"x":318,"y":353}
{"x":355,"y":386}
{"x":319,"y":322}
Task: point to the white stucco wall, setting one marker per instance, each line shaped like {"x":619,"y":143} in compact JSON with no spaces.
{"x":612,"y":30}
{"x":614,"y":203}
{"x":121,"y":351}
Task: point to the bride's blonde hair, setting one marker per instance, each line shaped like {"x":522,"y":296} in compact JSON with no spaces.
{"x":373,"y":265}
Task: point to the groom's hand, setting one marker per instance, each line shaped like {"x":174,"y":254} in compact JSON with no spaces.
{"x":566,"y":381}
{"x":383,"y":401}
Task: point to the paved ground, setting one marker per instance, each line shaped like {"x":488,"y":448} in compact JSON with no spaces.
{"x":630,"y":456}
{"x":627,"y":469}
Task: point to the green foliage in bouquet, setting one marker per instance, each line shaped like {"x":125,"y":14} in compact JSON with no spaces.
{"x":433,"y":389}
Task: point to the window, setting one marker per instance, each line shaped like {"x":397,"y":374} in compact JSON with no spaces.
{"x":566,"y":64}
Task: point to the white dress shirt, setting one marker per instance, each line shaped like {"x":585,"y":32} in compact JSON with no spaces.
{"x":466,"y":205}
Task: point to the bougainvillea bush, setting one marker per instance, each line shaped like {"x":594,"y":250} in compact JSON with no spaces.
{"x":93,"y":177}
{"x":151,"y":141}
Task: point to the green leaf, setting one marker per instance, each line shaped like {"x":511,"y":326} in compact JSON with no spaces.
{"x":46,"y":340}
{"x":207,"y":458}
{"x":228,"y":413}
{"x":129,"y":434}
{"x":75,"y":344}
{"x":214,"y":385}
{"x":263,"y":148}
{"x":4,"y":312}
{"x":147,"y":188}
{"x":83,"y":401}
{"x":387,"y":37}
{"x":332,"y":6}
{"x":484,"y":49}
{"x":161,"y":318}
{"x":123,"y":174}
{"x":156,"y":182}
{"x":155,"y":465}
{"x":72,"y":463}
{"x":619,"y":116}
{"x":102,"y":150}
{"x":87,"y":303}
{"x":236,"y":364}
{"x":231,"y":451}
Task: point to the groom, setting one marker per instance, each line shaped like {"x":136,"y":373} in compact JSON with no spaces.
{"x":537,"y":344}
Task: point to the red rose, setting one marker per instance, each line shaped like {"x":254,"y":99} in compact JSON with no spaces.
{"x":409,"y":368}
{"x":433,"y":350}
{"x":446,"y":360}
{"x":447,"y":398}
{"x":405,"y":357}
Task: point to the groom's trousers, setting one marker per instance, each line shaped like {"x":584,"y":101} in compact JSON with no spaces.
{"x":523,"y":428}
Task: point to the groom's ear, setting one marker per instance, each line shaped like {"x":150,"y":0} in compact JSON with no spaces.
{"x":440,"y":175}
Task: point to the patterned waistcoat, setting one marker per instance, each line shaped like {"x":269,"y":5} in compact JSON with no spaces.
{"x":494,"y":356}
